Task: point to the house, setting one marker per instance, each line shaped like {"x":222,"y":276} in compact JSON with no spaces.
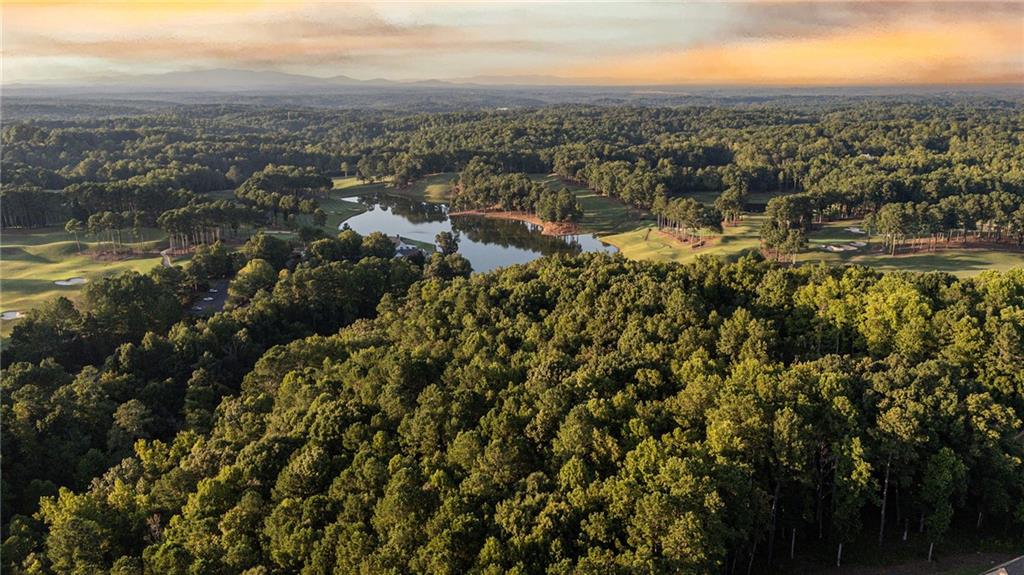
{"x":402,"y":249}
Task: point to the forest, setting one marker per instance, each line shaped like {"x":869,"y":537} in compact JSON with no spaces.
{"x":577,"y":414}
{"x":839,"y":159}
{"x":353,"y":411}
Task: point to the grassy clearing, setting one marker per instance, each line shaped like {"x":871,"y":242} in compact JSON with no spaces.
{"x":960,"y":262}
{"x":745,"y":237}
{"x":338,"y":210}
{"x":603,"y":215}
{"x":647,"y":243}
{"x":31,"y":260}
{"x":754,"y":199}
{"x":435,"y":188}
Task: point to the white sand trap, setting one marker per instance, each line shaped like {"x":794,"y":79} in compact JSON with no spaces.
{"x":855,"y":230}
{"x":71,"y":281}
{"x":207,"y":299}
{"x":858,"y":244}
{"x":9,"y":315}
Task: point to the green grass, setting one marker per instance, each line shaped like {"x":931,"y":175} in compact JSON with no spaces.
{"x":647,"y":243}
{"x":601,"y":215}
{"x":31,"y":260}
{"x":338,"y":210}
{"x":960,"y":262}
{"x":435,"y":188}
{"x":745,"y":237}
{"x":708,"y":198}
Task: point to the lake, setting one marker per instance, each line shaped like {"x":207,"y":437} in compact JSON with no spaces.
{"x":487,"y":243}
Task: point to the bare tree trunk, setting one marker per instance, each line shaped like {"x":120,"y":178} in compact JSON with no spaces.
{"x":885,"y":500}
{"x":931,"y":547}
{"x":839,"y":556}
{"x":792,"y":544}
{"x":775,"y":515}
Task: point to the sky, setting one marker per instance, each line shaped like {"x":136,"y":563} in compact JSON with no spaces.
{"x":756,"y":42}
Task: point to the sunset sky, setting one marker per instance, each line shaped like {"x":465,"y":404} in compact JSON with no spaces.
{"x":731,"y":43}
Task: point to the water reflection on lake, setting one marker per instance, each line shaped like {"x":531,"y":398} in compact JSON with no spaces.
{"x":486,"y":243}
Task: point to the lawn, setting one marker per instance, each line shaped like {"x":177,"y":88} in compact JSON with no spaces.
{"x":31,"y":260}
{"x":960,"y":262}
{"x":434,"y":188}
{"x":646,"y":243}
{"x":338,"y":210}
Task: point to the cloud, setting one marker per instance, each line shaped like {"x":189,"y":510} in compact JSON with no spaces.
{"x":800,"y":18}
{"x":722,"y":42}
{"x":964,"y":52}
{"x":269,"y":35}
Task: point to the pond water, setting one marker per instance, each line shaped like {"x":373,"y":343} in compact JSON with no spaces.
{"x":486,"y":242}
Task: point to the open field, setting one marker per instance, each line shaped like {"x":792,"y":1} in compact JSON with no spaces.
{"x":744,"y":237}
{"x":31,"y":260}
{"x":958,"y":261}
{"x":338,"y":210}
{"x":647,"y":243}
{"x":434,"y":188}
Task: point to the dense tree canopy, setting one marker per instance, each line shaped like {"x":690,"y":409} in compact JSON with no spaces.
{"x":575,"y":414}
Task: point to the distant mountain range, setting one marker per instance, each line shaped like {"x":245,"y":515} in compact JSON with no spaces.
{"x":232,"y":80}
{"x":266,"y":87}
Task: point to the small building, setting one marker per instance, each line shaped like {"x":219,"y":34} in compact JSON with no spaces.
{"x":404,"y":250}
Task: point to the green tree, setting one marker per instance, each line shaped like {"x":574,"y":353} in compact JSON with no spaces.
{"x":447,"y":242}
{"x":74,"y":227}
{"x":257,"y":275}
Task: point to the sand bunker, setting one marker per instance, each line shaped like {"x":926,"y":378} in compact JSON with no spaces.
{"x":845,"y":248}
{"x":207,"y":299}
{"x":71,"y":281}
{"x":9,"y":315}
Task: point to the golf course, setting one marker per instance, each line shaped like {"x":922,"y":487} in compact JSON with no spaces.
{"x":634,"y":233}
{"x":33,"y":260}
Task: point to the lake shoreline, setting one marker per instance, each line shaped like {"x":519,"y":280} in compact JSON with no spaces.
{"x":547,"y":228}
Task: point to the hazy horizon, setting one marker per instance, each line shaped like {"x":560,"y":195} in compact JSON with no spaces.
{"x":750,"y":43}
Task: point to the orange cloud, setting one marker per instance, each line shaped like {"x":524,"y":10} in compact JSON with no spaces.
{"x":961,"y":52}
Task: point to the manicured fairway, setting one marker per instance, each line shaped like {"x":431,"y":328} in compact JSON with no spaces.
{"x":435,"y":188}
{"x":30,"y":261}
{"x":647,"y":243}
{"x":960,"y":262}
